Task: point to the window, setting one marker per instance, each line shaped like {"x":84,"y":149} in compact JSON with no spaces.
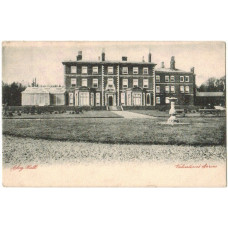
{"x":95,"y":70}
{"x":92,"y":99}
{"x":135,"y":70}
{"x":145,"y":70}
{"x":167,"y":78}
{"x":187,"y":89}
{"x":182,"y":89}
{"x":73,"y":69}
{"x":172,"y":78}
{"x":123,"y":98}
{"x":145,"y":83}
{"x":125,"y":70}
{"x":181,"y":78}
{"x":84,"y":98}
{"x":84,"y":82}
{"x":167,"y":100}
{"x":110,"y":70}
{"x":73,"y":81}
{"x":98,"y":99}
{"x":125,"y":83}
{"x":71,"y":98}
{"x":84,"y":70}
{"x":147,"y":98}
{"x":167,"y":89}
{"x":187,"y":78}
{"x":158,"y":100}
{"x":95,"y":83}
{"x":172,"y":89}
{"x":135,"y":82}
{"x":157,"y":78}
{"x":157,"y":89}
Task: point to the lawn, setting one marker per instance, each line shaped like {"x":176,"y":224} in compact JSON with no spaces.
{"x":200,"y":131}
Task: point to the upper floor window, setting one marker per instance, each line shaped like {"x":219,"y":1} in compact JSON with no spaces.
{"x":95,"y":70}
{"x":187,"y":89}
{"x":158,"y":100}
{"x":145,"y":83}
{"x":135,"y":82}
{"x":125,"y":70}
{"x":110,"y":70}
{"x":125,"y":83}
{"x":182,"y":89}
{"x":95,"y":83}
{"x":73,"y":69}
{"x":187,"y":78}
{"x":167,"y":78}
{"x":157,"y":78}
{"x":145,"y":70}
{"x":172,"y":79}
{"x":157,"y":89}
{"x":172,"y":89}
{"x":84,"y":82}
{"x":84,"y":70}
{"x":73,"y":81}
{"x":167,"y":89}
{"x":181,"y":78}
{"x":135,"y":70}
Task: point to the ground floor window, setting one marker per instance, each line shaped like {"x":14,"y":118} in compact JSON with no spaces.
{"x":98,"y":99}
{"x":137,"y":99}
{"x":158,"y":101}
{"x":147,"y":98}
{"x":167,"y":100}
{"x":123,"y":98}
{"x":129,"y":99}
{"x":71,"y":98}
{"x":92,"y":99}
{"x":84,"y":98}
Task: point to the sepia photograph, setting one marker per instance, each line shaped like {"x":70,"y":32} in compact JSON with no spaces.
{"x":114,"y":114}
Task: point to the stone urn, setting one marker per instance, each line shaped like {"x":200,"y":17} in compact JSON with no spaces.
{"x":172,"y":112}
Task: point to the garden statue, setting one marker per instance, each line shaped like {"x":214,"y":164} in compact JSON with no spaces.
{"x":172,"y":112}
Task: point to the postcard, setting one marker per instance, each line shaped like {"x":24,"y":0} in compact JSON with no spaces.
{"x":114,"y":114}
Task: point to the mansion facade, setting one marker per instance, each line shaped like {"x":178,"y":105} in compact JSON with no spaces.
{"x":123,"y":83}
{"x":104,"y":83}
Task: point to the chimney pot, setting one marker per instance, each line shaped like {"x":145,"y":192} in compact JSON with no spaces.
{"x":143,"y":59}
{"x":162,"y":65}
{"x":149,"y":57}
{"x":193,"y":70}
{"x":103,"y":56}
{"x":172,"y":63}
{"x":79,"y":56}
{"x":124,"y":58}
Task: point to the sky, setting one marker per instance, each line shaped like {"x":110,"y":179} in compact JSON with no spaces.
{"x":23,"y":61}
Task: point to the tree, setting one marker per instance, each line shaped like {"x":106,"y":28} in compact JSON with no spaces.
{"x":213,"y":85}
{"x":11,"y":93}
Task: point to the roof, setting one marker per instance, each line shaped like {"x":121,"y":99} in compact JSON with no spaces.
{"x":45,"y":90}
{"x":210,"y":94}
{"x":108,"y":62}
{"x":169,"y":70}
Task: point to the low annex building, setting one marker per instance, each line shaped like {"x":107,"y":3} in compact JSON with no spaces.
{"x":42,"y":96}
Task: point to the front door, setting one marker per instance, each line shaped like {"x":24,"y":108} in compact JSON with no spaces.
{"x":110,"y":101}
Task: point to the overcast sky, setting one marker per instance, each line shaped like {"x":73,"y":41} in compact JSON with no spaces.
{"x":23,"y":61}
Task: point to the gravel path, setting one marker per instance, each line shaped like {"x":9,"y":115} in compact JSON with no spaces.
{"x":38,"y":151}
{"x":131,"y":115}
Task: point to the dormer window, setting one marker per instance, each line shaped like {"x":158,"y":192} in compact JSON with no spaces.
{"x":95,"y":70}
{"x":125,"y":70}
{"x":135,"y":70}
{"x":145,"y":70}
{"x":84,"y":70}
{"x":110,"y":70}
{"x":73,"y":69}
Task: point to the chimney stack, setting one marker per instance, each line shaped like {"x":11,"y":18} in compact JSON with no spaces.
{"x":103,"y":56}
{"x":79,"y":56}
{"x":172,"y":63}
{"x":193,"y":70}
{"x":149,"y":57}
{"x":143,"y":59}
{"x":162,"y":65}
{"x":124,"y":58}
{"x":99,"y":58}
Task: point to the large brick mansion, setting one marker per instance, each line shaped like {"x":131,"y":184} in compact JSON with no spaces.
{"x":118,"y":83}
